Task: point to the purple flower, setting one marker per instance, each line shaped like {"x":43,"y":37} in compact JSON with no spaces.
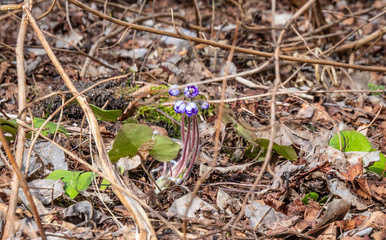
{"x":191,"y":109}
{"x":204,"y":105}
{"x":191,"y":91}
{"x":180,"y":106}
{"x":174,"y":91}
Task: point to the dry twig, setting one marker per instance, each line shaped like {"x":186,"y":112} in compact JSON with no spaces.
{"x":145,"y":228}
{"x":226,"y":46}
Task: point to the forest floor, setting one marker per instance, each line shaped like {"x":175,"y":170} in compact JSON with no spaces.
{"x":283,"y":79}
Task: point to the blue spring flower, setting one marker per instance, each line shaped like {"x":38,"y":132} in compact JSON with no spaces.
{"x":179,"y":107}
{"x":174,"y":91}
{"x":191,"y":109}
{"x":191,"y":91}
{"x":204,"y":105}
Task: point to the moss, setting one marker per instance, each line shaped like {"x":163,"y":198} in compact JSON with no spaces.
{"x":125,"y":92}
{"x":151,"y":115}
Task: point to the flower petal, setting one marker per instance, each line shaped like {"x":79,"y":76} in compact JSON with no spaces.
{"x":191,"y":91}
{"x":174,"y":91}
{"x":179,"y":107}
{"x":191,"y":109}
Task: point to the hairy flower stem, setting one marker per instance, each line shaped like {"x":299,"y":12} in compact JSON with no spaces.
{"x":189,"y":155}
{"x":195,"y":146}
{"x":183,"y":127}
{"x":185,"y":151}
{"x":180,"y":171}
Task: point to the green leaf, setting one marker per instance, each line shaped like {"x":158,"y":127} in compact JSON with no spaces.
{"x":312,"y":195}
{"x":9,"y":126}
{"x":241,"y":126}
{"x":351,"y":141}
{"x":164,"y":148}
{"x":105,"y":183}
{"x":378,"y":167}
{"x":285,"y":151}
{"x":355,"y":141}
{"x":323,"y":200}
{"x":106,"y":115}
{"x":74,"y":182}
{"x":253,"y":151}
{"x":129,"y":139}
{"x":50,"y":127}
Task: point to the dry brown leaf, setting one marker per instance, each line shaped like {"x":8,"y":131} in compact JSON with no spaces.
{"x":351,"y":224}
{"x":353,"y":172}
{"x":348,"y":21}
{"x":380,"y":235}
{"x":329,"y":233}
{"x":320,"y":114}
{"x":376,"y":220}
{"x":305,"y":112}
{"x":295,"y":208}
{"x":312,"y":211}
{"x":335,"y":209}
{"x":378,"y":192}
{"x":364,"y":190}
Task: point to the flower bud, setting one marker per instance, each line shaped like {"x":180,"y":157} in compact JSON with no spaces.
{"x":204,"y":105}
{"x":174,"y":91}
{"x":191,"y":91}
{"x":179,"y":107}
{"x":191,"y":109}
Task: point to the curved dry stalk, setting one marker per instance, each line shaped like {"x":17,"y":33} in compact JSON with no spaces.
{"x":47,"y":12}
{"x":145,"y":228}
{"x":9,"y":228}
{"x":352,"y":45}
{"x":333,"y":48}
{"x":24,"y":185}
{"x":226,"y":46}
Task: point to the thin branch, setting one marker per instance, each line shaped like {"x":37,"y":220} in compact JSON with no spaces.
{"x":226,"y":46}
{"x":9,"y":228}
{"x":25,"y":187}
{"x":145,"y":228}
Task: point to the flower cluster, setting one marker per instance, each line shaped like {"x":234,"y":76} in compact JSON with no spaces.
{"x":177,"y":171}
{"x":190,"y":108}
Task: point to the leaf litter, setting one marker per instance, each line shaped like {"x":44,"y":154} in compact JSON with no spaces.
{"x":344,"y":185}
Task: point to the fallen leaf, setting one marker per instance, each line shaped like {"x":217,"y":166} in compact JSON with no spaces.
{"x":340,"y":189}
{"x":46,"y":157}
{"x":353,"y":172}
{"x":262,"y":216}
{"x":351,"y":223}
{"x":305,"y":112}
{"x":364,"y":190}
{"x":376,"y":220}
{"x":320,"y":114}
{"x":312,"y":211}
{"x":328,"y":234}
{"x":83,"y":212}
{"x":196,"y":210}
{"x":335,"y":209}
{"x":378,"y":192}
{"x":225,"y":202}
